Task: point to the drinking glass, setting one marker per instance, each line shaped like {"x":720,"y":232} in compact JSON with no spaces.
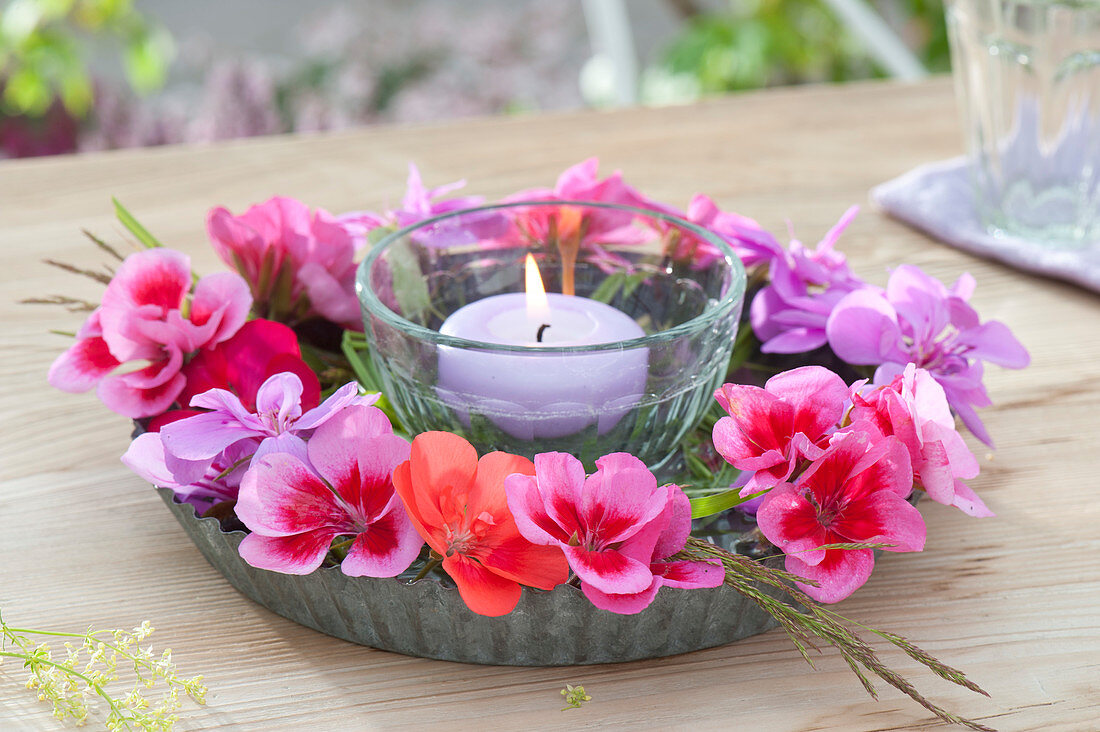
{"x":1027,"y":75}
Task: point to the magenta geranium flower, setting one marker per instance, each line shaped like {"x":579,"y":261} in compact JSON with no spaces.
{"x":918,"y":320}
{"x":790,"y":313}
{"x":296,"y":503}
{"x":914,"y":409}
{"x":298,"y":264}
{"x":259,"y":350}
{"x":148,"y":315}
{"x":768,"y":431}
{"x":854,"y":493}
{"x":616,"y":527}
{"x":278,"y":423}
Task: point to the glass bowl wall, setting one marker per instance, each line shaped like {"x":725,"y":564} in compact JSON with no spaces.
{"x":679,"y":287}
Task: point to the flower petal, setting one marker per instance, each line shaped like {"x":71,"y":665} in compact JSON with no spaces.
{"x":560,"y":481}
{"x":136,"y":403}
{"x":281,"y":496}
{"x":159,"y":277}
{"x":622,"y":604}
{"x":487,"y":489}
{"x":297,"y":554}
{"x":863,"y":329}
{"x":220,"y":305}
{"x":346,"y":396}
{"x":609,"y":571}
{"x":386,"y":549}
{"x":816,"y":394}
{"x":690,"y":575}
{"x":205,"y":435}
{"x":967,"y":501}
{"x":517,"y":559}
{"x":82,"y":366}
{"x":675,"y":534}
{"x":838,"y":575}
{"x":527,"y":506}
{"x":790,"y":522}
{"x":483,"y":591}
{"x":619,"y":499}
{"x":993,"y":341}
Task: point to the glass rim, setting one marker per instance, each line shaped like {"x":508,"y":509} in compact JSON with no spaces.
{"x":374,"y":305}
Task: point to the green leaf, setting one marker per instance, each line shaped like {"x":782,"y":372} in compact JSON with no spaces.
{"x":408,"y":281}
{"x":605,"y":293}
{"x":140,"y":232}
{"x":719,"y":502}
{"x":376,"y":235}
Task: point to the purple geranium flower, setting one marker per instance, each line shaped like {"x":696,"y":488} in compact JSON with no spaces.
{"x":420,"y":204}
{"x":190,"y":447}
{"x":918,"y":320}
{"x":789,"y":314}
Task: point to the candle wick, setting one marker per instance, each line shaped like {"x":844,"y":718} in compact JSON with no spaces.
{"x":538,"y":336}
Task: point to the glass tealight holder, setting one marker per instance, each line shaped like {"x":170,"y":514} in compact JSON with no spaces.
{"x":623,"y":354}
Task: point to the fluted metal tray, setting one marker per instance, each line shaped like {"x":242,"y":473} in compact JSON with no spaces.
{"x":428,"y":619}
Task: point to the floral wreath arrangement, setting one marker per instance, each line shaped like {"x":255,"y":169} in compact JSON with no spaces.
{"x":259,"y":404}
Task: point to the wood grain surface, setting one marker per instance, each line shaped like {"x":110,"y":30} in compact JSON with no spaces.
{"x":1013,"y":600}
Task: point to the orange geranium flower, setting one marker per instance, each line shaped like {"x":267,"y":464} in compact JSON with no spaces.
{"x":457,"y":503}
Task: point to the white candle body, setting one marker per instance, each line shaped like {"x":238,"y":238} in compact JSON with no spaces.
{"x":542,"y":395}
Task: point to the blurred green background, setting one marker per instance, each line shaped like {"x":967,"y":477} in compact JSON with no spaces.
{"x":95,"y":74}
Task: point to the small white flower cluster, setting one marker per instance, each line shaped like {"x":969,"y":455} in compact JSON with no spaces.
{"x":90,"y":669}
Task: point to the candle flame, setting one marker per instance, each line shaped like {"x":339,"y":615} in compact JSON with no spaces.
{"x":538,"y":307}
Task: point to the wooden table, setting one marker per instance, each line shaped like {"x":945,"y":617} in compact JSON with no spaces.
{"x":1014,"y":600}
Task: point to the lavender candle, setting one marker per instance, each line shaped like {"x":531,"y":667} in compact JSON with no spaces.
{"x":542,"y":395}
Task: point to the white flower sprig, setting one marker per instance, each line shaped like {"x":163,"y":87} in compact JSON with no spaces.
{"x":89,"y":668}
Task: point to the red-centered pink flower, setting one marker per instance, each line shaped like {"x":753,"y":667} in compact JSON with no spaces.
{"x":148,"y":315}
{"x":769,"y":430}
{"x":913,"y":408}
{"x":298,"y":264}
{"x":457,"y":504}
{"x":853,"y":493}
{"x":616,"y":527}
{"x":296,"y":504}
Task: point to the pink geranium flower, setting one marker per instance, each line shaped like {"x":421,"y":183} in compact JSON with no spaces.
{"x":148,"y":315}
{"x":298,"y":265}
{"x":913,"y":408}
{"x":768,"y":431}
{"x":854,"y":493}
{"x":616,"y":527}
{"x":918,"y":320}
{"x":591,"y":226}
{"x":295,"y":503}
{"x":789,"y":314}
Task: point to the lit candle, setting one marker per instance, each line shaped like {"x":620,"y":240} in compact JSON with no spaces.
{"x":542,"y":395}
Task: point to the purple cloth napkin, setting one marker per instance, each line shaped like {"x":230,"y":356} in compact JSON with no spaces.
{"x":936,"y":198}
